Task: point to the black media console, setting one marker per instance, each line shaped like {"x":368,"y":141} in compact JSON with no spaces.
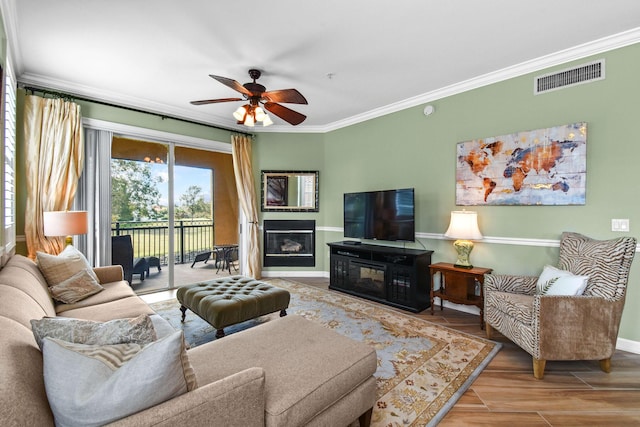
{"x":393,"y":276}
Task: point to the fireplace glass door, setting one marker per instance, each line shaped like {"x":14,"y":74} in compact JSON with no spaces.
{"x":367,"y":278}
{"x":289,"y":243}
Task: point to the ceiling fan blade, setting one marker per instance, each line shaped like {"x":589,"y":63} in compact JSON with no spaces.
{"x":215,"y":101}
{"x":288,"y":96}
{"x":232,"y":84}
{"x":285,"y":113}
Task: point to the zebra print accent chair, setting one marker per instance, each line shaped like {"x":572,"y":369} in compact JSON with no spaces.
{"x":554,"y":327}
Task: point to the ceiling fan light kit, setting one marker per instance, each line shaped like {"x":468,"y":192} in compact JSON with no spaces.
{"x":248,"y":115}
{"x":252,"y":113}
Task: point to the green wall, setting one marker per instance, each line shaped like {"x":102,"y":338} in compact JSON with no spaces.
{"x":407,"y":149}
{"x":291,"y":151}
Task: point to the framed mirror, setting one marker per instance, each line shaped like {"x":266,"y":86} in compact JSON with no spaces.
{"x":289,"y":191}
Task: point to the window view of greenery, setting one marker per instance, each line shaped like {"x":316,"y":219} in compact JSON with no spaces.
{"x":139,"y":207}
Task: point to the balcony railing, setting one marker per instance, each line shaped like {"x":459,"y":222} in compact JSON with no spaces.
{"x":151,"y":238}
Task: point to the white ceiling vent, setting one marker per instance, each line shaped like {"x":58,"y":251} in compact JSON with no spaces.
{"x":580,"y":74}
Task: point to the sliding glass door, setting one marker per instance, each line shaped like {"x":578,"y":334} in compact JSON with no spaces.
{"x":178,"y":205}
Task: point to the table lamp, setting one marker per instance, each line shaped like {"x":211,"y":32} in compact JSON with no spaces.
{"x":464,"y":228}
{"x":65,"y":223}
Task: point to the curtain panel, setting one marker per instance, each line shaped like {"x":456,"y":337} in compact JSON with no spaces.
{"x":54,"y":152}
{"x":94,"y":196}
{"x":243,"y":170}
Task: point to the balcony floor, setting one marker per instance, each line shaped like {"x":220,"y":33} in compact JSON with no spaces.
{"x":183,"y":275}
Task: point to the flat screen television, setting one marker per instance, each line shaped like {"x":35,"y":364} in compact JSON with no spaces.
{"x":380,"y":215}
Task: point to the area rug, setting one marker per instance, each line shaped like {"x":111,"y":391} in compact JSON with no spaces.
{"x":423,"y":368}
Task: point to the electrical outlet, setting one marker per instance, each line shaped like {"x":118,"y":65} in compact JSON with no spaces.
{"x":620,"y":225}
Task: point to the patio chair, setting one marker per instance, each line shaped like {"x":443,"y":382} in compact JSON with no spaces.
{"x":122,"y":254}
{"x":551,"y":325}
{"x":202,"y":256}
{"x":141,"y":267}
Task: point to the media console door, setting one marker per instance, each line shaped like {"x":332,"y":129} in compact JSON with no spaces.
{"x":394,"y":276}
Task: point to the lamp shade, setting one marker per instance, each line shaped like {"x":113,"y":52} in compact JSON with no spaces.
{"x":463,"y":225}
{"x":260,"y":114}
{"x":65,"y":223}
{"x":240,"y":113}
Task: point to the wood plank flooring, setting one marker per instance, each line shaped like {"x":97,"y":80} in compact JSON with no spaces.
{"x":507,"y":394}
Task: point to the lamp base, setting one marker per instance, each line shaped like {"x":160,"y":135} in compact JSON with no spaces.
{"x":463,"y":248}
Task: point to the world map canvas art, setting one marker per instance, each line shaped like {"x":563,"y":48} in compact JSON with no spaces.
{"x":539,"y":167}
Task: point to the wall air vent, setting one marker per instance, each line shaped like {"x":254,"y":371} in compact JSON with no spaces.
{"x":580,"y":74}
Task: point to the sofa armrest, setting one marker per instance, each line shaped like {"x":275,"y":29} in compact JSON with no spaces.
{"x":237,"y":400}
{"x":577,"y":327}
{"x":109,"y":273}
{"x":525,"y":285}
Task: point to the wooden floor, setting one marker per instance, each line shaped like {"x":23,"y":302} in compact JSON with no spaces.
{"x":571,"y":393}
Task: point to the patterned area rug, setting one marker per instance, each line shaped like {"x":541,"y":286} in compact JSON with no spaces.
{"x":423,"y":368}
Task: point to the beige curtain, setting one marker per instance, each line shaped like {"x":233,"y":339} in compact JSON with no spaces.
{"x":241,"y":150}
{"x":54,"y":152}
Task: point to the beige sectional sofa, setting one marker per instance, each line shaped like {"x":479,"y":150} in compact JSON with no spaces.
{"x":287,"y":372}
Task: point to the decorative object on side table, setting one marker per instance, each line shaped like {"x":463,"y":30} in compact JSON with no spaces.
{"x":464,"y":228}
{"x":459,"y":285}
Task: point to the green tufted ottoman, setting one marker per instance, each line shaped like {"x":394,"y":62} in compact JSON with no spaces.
{"x":230,"y":300}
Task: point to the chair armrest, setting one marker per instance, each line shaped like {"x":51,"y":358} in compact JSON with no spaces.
{"x":577,"y":327}
{"x":525,"y":285}
{"x":109,"y":273}
{"x":236,"y":401}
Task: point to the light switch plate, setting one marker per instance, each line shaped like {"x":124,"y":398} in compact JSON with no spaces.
{"x":620,"y":225}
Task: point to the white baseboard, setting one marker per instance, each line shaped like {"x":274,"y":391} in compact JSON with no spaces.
{"x":471,"y":309}
{"x":628,"y":345}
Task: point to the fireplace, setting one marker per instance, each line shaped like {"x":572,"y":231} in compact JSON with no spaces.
{"x":289,"y":243}
{"x":368,"y":278}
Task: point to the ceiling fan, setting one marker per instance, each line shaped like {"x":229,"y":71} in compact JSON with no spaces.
{"x":257,"y":94}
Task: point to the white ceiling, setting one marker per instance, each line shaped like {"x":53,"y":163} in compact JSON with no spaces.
{"x":351,"y":59}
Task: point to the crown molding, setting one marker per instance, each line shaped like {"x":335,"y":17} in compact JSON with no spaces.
{"x":125,"y":101}
{"x":561,"y":57}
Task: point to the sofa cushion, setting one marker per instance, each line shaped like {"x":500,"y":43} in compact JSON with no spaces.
{"x":76,"y":288}
{"x":111,"y":292}
{"x":18,"y":306}
{"x":137,"y":330}
{"x":23,"y":401}
{"x":553,"y":281}
{"x":24,"y":275}
{"x":93,"y":385}
{"x":131,"y":306}
{"x":57,"y":268}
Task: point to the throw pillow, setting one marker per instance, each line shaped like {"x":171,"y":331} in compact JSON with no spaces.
{"x":58,"y":268}
{"x":92,"y":385}
{"x":554,"y":281}
{"x":76,"y":288}
{"x":137,"y":330}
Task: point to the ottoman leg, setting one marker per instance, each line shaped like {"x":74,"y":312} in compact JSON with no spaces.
{"x":183,"y":309}
{"x":283,"y":313}
{"x":220,"y":333}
